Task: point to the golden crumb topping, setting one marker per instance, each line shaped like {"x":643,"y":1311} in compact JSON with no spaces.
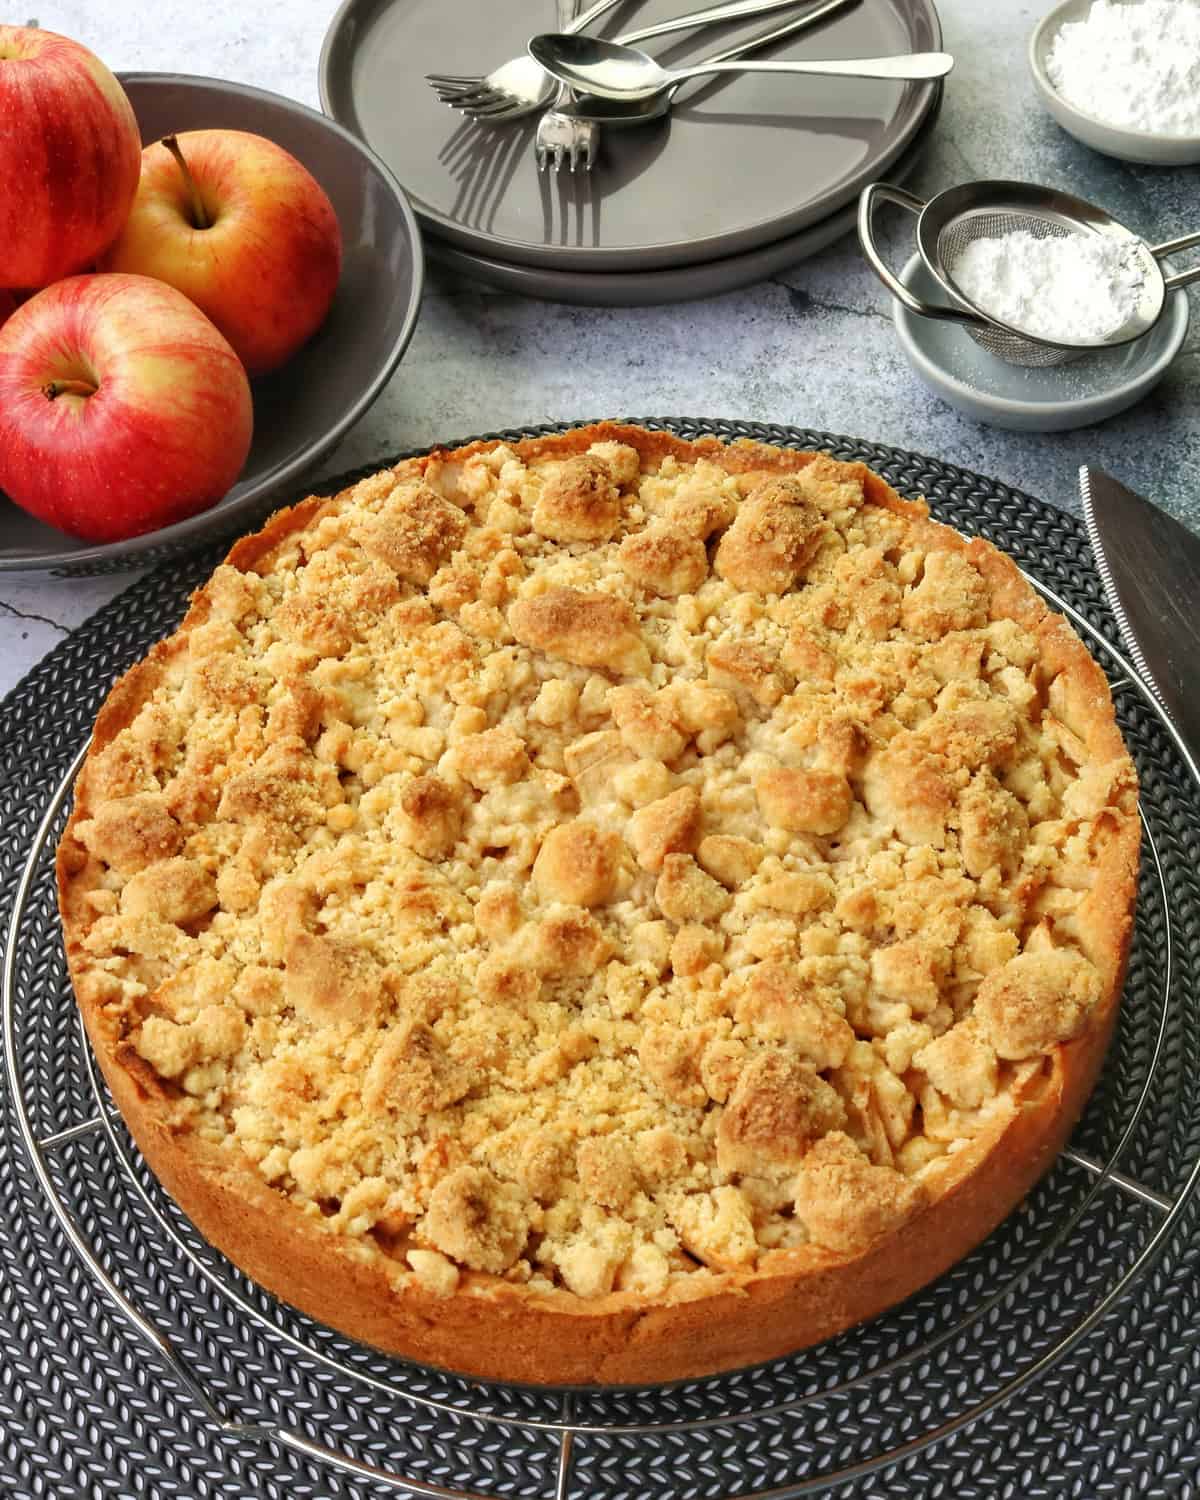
{"x":587,"y":870}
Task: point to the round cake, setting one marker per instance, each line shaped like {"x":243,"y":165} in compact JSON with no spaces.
{"x":604,"y":908}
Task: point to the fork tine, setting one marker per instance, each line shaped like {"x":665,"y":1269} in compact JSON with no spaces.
{"x":480,"y":91}
{"x":454,"y":80}
{"x":485,"y":101}
{"x":456,"y":101}
{"x":450,"y":96}
{"x":495,"y":109}
{"x":497,"y":112}
{"x":495,"y":116}
{"x":574,"y":155}
{"x":542,"y":156}
{"x":558,"y":160}
{"x":589,"y":151}
{"x":472,"y":98}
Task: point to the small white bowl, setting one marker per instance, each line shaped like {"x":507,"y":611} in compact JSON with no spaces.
{"x":1113,"y":140}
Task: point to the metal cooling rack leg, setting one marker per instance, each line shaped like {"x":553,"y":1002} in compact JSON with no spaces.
{"x":1128,"y":1185}
{"x":71,"y":1133}
{"x":566,"y":1450}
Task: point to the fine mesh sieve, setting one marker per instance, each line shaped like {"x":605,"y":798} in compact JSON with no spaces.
{"x":964,"y":230}
{"x":954,"y":219}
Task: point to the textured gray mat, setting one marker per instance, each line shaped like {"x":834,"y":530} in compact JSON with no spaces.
{"x":993,"y":1382}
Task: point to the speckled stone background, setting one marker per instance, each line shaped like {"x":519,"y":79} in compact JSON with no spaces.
{"x":813,"y":345}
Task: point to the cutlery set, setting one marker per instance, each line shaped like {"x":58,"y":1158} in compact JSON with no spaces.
{"x":582,"y":83}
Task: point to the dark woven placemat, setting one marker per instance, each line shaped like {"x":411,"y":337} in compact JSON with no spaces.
{"x":90,"y":1409}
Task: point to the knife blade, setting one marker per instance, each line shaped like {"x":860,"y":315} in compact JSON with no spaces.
{"x":1149,"y":565}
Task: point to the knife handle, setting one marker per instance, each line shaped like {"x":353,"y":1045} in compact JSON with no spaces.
{"x":714,"y":15}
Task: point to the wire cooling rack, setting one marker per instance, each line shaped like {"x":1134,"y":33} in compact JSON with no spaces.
{"x":1061,"y":1358}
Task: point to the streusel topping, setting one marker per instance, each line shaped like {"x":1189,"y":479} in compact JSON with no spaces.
{"x":590,"y":873}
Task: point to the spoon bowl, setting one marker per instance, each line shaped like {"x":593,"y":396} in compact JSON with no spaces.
{"x":611,"y":70}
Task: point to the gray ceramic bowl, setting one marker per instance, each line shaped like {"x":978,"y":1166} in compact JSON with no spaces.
{"x":1053,"y":399}
{"x":301,"y":410}
{"x":1113,"y":140}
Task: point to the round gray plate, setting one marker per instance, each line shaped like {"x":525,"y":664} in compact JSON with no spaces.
{"x":741,"y":162}
{"x":670,"y":284}
{"x":304,"y":408}
{"x":1055,"y":399}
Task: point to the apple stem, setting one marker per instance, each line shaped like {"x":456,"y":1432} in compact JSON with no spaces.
{"x":199,"y":217}
{"x":53,"y":389}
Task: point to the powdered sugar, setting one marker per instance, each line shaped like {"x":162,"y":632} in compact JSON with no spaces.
{"x":1133,"y":63}
{"x":1069,"y":289}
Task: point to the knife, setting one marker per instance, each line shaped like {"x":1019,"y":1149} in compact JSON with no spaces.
{"x":1149,"y":565}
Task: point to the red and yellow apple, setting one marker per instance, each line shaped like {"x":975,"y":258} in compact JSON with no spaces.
{"x":237,"y":224}
{"x":122,"y":409}
{"x":70,"y":154}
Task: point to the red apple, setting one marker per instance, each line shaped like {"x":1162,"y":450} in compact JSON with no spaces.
{"x":239,"y":226}
{"x":70,"y":153}
{"x":122,"y":409}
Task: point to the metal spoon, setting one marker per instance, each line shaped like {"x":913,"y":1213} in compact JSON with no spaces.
{"x":591,"y":112}
{"x":613,"y":71}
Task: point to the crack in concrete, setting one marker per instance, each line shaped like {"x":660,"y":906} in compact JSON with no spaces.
{"x":803,"y":302}
{"x":20,"y":614}
{"x":962,"y":156}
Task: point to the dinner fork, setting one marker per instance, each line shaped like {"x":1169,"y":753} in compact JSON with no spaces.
{"x":559,"y":136}
{"x":515,"y":88}
{"x":519,"y":87}
{"x":565,"y":134}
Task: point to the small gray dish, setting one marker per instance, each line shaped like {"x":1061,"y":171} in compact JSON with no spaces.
{"x":302,"y":410}
{"x":1143,"y":146}
{"x":1053,"y":399}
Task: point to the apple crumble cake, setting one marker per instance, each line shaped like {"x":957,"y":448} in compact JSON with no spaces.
{"x":603,"y":908}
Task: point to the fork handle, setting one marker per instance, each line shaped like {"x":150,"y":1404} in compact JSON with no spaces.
{"x":789,"y":28}
{"x":589,"y":16}
{"x":734,"y":10}
{"x":567,"y":11}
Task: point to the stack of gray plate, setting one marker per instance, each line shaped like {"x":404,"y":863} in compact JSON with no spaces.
{"x":747,"y":175}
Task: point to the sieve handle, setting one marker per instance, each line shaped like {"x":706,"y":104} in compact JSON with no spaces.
{"x":1184,"y":242}
{"x":866,"y":238}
